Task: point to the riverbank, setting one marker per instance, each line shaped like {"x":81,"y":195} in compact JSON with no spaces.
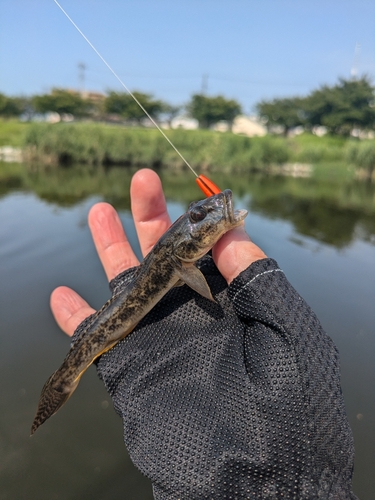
{"x":104,"y":144}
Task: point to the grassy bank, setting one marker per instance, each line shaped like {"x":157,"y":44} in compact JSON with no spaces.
{"x":12,"y":132}
{"x":103,"y":144}
{"x":106,"y":144}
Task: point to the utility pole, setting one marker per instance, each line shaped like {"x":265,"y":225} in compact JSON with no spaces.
{"x":355,"y":67}
{"x":81,"y":77}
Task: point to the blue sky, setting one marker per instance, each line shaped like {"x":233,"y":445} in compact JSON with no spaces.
{"x":243,"y":49}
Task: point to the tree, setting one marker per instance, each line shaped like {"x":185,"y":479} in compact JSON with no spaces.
{"x":11,"y":106}
{"x":123,"y":104}
{"x":341,"y":108}
{"x":287,"y":113}
{"x":62,"y":101}
{"x":210,"y":110}
{"x":349,"y":104}
{"x":169,"y":112}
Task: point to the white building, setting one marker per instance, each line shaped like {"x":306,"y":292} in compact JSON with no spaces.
{"x":184,"y":122}
{"x":248,"y":125}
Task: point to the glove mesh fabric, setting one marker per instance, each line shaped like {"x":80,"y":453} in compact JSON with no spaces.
{"x":238,"y":399}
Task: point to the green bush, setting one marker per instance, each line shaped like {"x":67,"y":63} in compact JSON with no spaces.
{"x":310,"y":148}
{"x":361,"y":154}
{"x":102,"y":144}
{"x":351,"y":152}
{"x":105,"y":144}
{"x":268,"y":151}
{"x":12,"y":132}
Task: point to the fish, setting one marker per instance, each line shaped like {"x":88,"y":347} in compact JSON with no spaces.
{"x":170,"y":263}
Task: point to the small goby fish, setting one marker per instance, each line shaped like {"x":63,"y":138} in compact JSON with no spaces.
{"x":170,"y":263}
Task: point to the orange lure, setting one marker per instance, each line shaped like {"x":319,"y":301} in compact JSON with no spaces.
{"x":207,"y":186}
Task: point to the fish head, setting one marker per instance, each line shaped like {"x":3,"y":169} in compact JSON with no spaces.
{"x":204,"y":224}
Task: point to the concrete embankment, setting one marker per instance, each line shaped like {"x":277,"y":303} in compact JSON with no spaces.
{"x":10,"y":154}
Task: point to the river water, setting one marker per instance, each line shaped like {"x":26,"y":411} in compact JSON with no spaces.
{"x":322,"y":233}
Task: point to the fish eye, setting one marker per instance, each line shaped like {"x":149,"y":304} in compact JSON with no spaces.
{"x":197,"y":214}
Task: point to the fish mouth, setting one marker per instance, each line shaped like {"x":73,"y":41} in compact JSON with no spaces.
{"x":234,"y":216}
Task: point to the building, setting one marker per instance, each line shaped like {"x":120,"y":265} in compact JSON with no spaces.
{"x":248,"y":125}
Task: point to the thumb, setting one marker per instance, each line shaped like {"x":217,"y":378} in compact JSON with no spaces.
{"x":234,"y":252}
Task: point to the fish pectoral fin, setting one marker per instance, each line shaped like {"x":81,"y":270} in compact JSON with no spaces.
{"x":193,"y":277}
{"x":179,"y":283}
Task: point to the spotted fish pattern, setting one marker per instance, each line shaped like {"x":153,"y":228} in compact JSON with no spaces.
{"x":170,"y":263}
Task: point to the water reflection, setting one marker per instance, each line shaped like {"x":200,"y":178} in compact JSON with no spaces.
{"x":335,"y":213}
{"x":331,"y":213}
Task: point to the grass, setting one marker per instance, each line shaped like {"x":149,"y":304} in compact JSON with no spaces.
{"x":98,"y":144}
{"x":12,"y":132}
{"x":103,"y":144}
{"x":312,"y":149}
{"x":362,"y":154}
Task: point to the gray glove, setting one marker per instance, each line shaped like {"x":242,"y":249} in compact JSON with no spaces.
{"x":237,"y":399}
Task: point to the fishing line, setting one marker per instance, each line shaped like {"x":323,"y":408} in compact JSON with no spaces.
{"x":126,"y":88}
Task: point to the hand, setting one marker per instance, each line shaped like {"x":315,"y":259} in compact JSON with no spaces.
{"x":232,"y":254}
{"x":235,"y":399}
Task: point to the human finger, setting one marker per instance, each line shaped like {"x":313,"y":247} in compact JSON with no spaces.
{"x":112,"y":245}
{"x":234,"y":252}
{"x":149,"y":208}
{"x":69,"y":309}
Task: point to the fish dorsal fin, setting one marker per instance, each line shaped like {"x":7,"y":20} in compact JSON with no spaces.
{"x":193,"y":277}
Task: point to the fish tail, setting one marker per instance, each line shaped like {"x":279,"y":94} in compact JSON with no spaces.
{"x":51,"y":400}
